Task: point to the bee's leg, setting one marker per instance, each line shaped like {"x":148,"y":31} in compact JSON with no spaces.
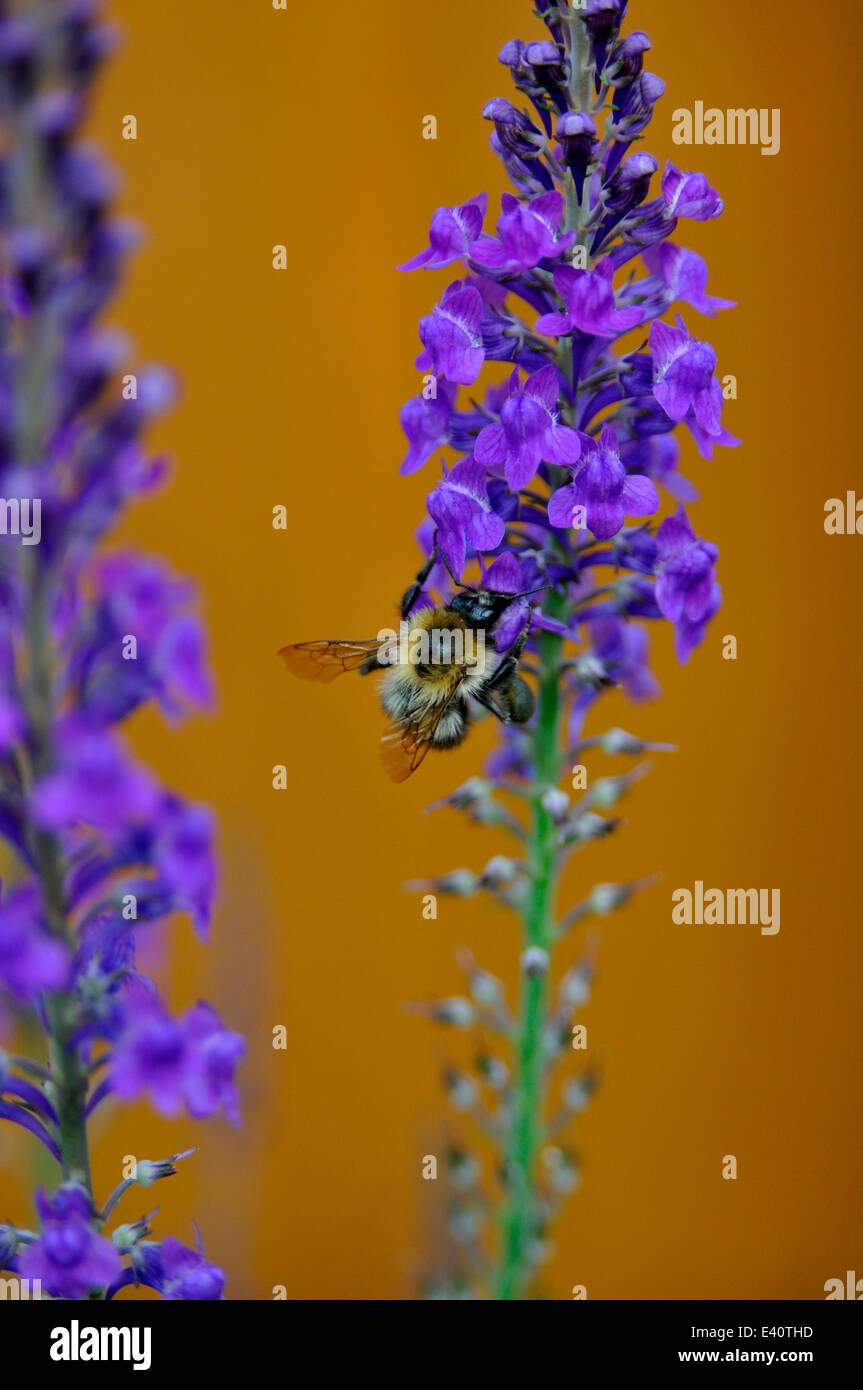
{"x":412,"y":594}
{"x":489,"y":704}
{"x":511,"y":660}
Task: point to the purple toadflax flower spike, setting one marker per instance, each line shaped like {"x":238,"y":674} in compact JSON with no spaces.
{"x":87,"y":636}
{"x":559,"y":475}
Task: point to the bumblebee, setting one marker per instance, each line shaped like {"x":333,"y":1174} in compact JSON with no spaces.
{"x":435,"y":667}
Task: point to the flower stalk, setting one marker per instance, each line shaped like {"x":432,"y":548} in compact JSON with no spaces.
{"x":538,"y":920}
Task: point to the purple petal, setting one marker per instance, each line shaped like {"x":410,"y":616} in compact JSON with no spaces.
{"x":639,"y":496}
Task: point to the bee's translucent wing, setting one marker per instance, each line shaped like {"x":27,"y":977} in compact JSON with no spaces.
{"x":403,"y":747}
{"x":323,"y":661}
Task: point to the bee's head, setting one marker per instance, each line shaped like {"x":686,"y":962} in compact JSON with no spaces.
{"x":484,"y":607}
{"x":480,"y":606}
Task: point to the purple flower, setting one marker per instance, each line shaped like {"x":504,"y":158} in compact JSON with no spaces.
{"x":529,"y":430}
{"x":526,"y":235}
{"x":141,"y":600}
{"x":685,"y":570}
{"x":452,"y":234}
{"x":215,"y":1054}
{"x":181,"y":665}
{"x":657,"y":456}
{"x":30,"y":959}
{"x":685,"y":277}
{"x":188,"y":1061}
{"x":151,"y":1055}
{"x":623,"y":650}
{"x":683,"y":377}
{"x":689,"y":633}
{"x":425,"y":421}
{"x":69,"y":1258}
{"x":588,"y":296}
{"x":603,"y":491}
{"x":685,"y":387}
{"x":183,"y":855}
{"x":178,"y":1272}
{"x":461,"y":508}
{"x":95,"y":782}
{"x":452,"y":335}
{"x":507,"y":575}
{"x":689,"y":195}
{"x":139,"y":593}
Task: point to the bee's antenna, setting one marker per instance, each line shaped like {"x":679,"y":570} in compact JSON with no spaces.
{"x":527,"y":592}
{"x":438,"y":553}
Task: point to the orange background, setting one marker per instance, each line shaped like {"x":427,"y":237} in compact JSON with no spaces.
{"x":304,"y":127}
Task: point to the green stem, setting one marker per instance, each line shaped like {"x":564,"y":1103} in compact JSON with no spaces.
{"x":38,"y":353}
{"x":69,"y":1075}
{"x":526,"y":1130}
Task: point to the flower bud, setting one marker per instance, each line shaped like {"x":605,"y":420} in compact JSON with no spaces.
{"x":458,"y":1012}
{"x":608,"y":896}
{"x":562,"y":1170}
{"x":575,"y":985}
{"x":472,"y":793}
{"x":498,"y":872}
{"x":590,"y":672}
{"x":149,"y":1171}
{"x":618,"y":741}
{"x":585,"y":827}
{"x":548,"y":64}
{"x":576,"y":131}
{"x":516,"y":133}
{"x":634,"y":109}
{"x":577,"y":1092}
{"x":625,"y":60}
{"x":602,"y":19}
{"x":463,"y":1224}
{"x":628,"y":186}
{"x":556,"y":803}
{"x":127,"y":1237}
{"x":534,"y":962}
{"x":607,"y":791}
{"x":461,"y":882}
{"x":462,"y":1168}
{"x":485,"y":988}
{"x":461,"y":1089}
{"x":492,"y":1071}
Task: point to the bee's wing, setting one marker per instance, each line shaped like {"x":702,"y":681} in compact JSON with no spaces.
{"x":403,"y":747}
{"x":323,"y":661}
